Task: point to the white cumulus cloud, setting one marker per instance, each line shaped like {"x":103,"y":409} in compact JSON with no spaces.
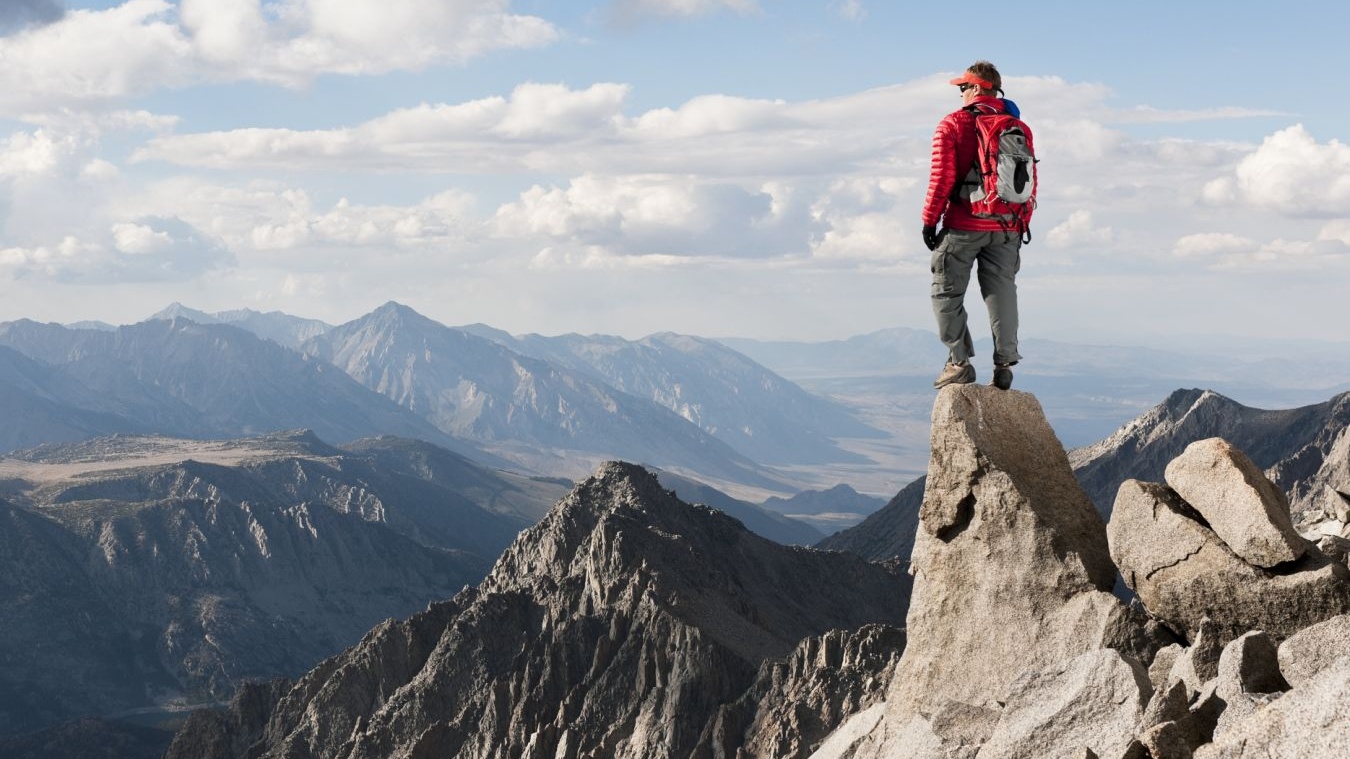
{"x":1291,"y":172}
{"x":1338,"y":230}
{"x":89,"y":58}
{"x":649,"y":215}
{"x":866,"y":219}
{"x":32,"y":153}
{"x":554,"y":128}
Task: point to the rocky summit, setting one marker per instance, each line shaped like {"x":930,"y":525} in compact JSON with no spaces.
{"x":621,"y":626}
{"x":1013,"y":649}
{"x":630,"y":624}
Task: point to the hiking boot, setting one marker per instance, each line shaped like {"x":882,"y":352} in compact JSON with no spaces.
{"x":1002,"y":376}
{"x":955,"y":374}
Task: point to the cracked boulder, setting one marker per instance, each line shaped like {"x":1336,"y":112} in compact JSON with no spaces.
{"x":1183,"y":571}
{"x":1244,"y":508}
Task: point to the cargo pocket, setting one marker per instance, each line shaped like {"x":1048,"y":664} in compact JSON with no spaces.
{"x":938,"y":267}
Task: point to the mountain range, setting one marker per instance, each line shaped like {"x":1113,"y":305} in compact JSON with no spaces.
{"x":547,"y":405}
{"x":541,"y":415}
{"x":619,"y":626}
{"x":185,"y":379}
{"x":150,"y":572}
{"x":791,"y":415}
{"x":153,"y":571}
{"x":737,"y":400}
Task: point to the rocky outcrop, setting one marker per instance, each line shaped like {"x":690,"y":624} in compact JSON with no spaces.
{"x":1215,"y":557}
{"x":1327,"y":491}
{"x":1184,"y":572}
{"x":1012,"y":580}
{"x":1007,"y":542}
{"x":1304,"y":451}
{"x":619,"y":626}
{"x":1221,"y":695}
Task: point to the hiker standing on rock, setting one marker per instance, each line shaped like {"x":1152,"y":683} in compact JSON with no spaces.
{"x":982,"y":189}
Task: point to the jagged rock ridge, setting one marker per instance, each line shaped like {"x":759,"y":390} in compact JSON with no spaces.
{"x":619,"y":626}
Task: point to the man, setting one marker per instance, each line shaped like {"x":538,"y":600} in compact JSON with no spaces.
{"x":967,"y":239}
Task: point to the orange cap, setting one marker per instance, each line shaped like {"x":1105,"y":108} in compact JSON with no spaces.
{"x":969,"y":78}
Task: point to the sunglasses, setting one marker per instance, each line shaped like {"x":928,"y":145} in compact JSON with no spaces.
{"x":965,"y":86}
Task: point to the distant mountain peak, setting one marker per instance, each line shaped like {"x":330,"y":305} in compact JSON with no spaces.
{"x":1187,"y":399}
{"x":394,"y":313}
{"x":394,"y":307}
{"x":177,"y":310}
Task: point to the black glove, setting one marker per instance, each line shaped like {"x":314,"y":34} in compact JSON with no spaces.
{"x":931,"y":238}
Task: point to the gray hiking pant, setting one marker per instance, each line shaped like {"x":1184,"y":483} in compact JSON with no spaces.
{"x":999,"y":255}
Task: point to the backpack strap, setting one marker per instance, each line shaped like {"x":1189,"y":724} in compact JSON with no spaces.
{"x":972,"y":178}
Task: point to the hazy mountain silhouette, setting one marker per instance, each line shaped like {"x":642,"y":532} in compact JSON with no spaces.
{"x":523,"y":408}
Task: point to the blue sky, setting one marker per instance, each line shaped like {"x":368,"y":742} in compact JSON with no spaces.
{"x":714,"y":167}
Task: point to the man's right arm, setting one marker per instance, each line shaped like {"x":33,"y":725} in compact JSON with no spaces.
{"x":941,"y":173}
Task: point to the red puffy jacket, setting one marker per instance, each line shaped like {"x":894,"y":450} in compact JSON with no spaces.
{"x":954,"y":149}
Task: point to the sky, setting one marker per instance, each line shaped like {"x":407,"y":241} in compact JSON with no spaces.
{"x":748,"y":168}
